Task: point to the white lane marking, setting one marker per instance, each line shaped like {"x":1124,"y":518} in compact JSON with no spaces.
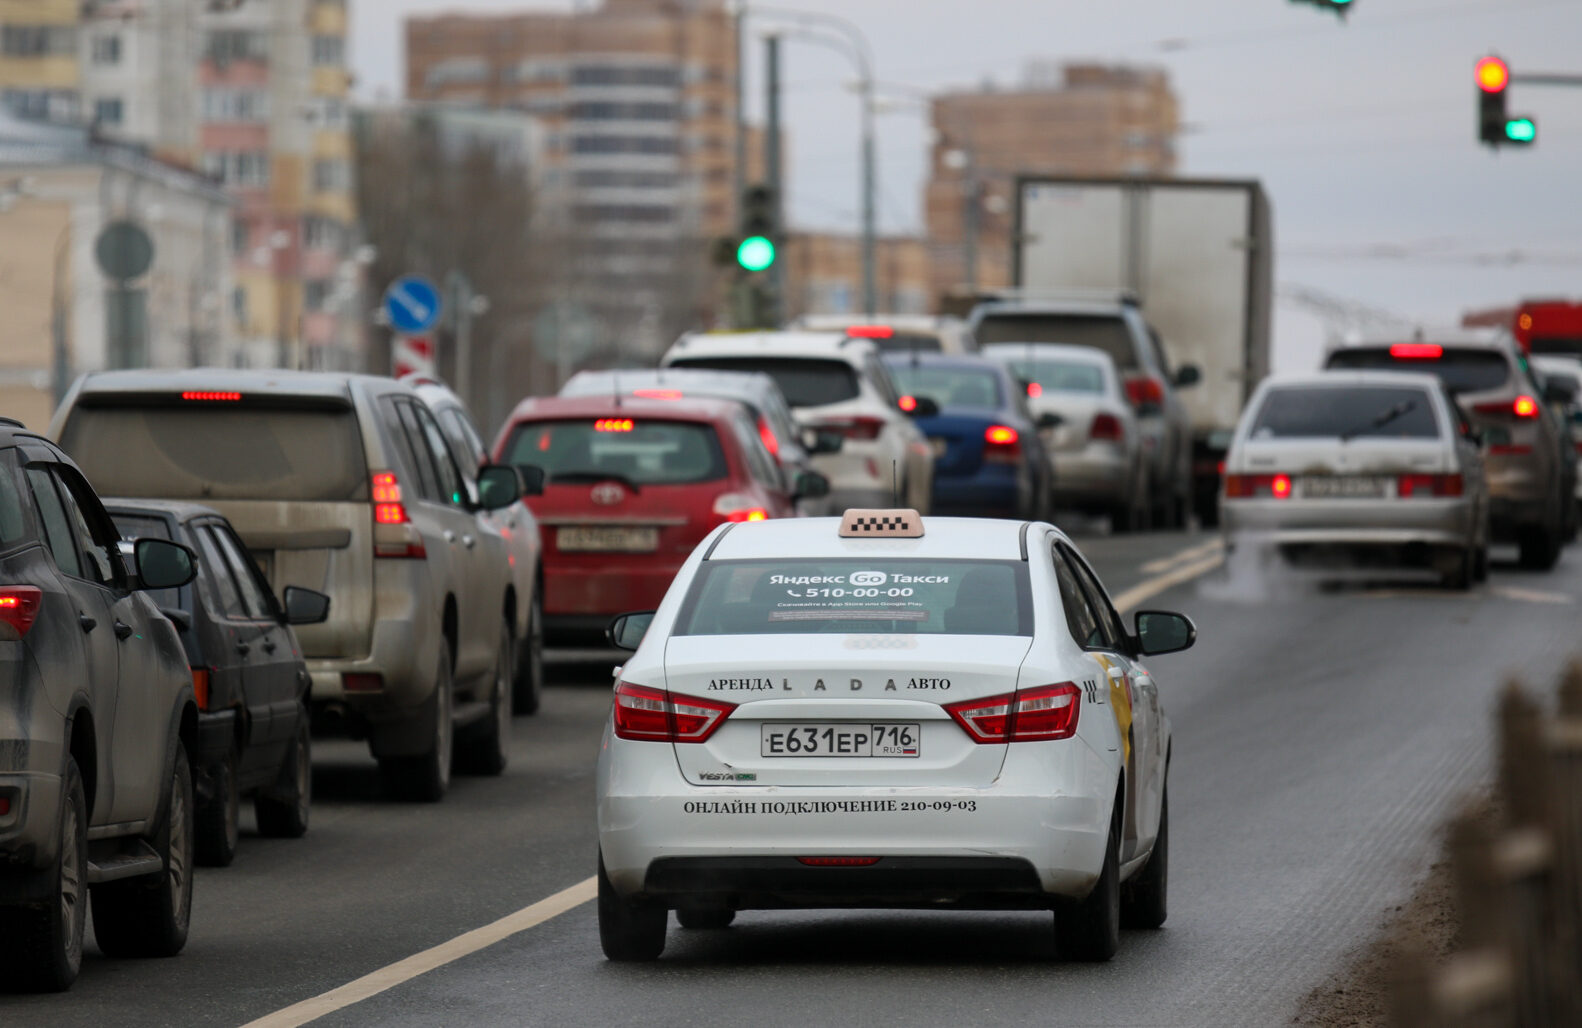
{"x":1145,"y":591}
{"x":1155,"y":567}
{"x":389,"y":977}
{"x":1510,"y":592}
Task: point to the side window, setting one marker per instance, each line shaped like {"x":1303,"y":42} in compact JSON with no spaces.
{"x":1110,"y":623}
{"x":97,"y":539}
{"x":254,"y":595}
{"x":451,"y":490}
{"x":13,"y":516}
{"x":759,"y":463}
{"x":464,"y":443}
{"x":57,"y":530}
{"x":1080,"y":616}
{"x":412,"y":444}
{"x":873,"y":367}
{"x":218,"y":574}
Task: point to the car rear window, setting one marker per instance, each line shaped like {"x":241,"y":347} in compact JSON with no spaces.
{"x":1462,"y":370}
{"x":1360,"y":412}
{"x":1106,"y":332}
{"x":641,"y":451}
{"x":210,"y":452}
{"x":1059,"y":376}
{"x":859,"y":597}
{"x":805,"y":381}
{"x":949,"y":387}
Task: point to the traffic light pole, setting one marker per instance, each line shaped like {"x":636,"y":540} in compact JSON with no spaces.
{"x":772,"y":168}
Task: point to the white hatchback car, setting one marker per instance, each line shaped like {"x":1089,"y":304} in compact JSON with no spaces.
{"x":883,"y":710}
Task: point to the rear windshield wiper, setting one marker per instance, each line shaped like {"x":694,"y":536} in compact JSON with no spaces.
{"x":595,"y":476}
{"x":1379,"y":420}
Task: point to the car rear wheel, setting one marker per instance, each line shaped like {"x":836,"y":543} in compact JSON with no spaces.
{"x":148,"y":916}
{"x":1463,"y":569}
{"x":41,"y":946}
{"x":218,"y":816}
{"x":1143,"y":897}
{"x":529,"y":685}
{"x":1090,"y":929}
{"x":426,"y":778}
{"x":1540,"y":547}
{"x":703,"y":917}
{"x":486,"y":749}
{"x":283,"y":810}
{"x":629,"y":930}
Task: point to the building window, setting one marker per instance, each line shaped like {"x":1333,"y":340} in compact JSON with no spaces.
{"x":458,"y":71}
{"x":329,"y":112}
{"x":610,"y":178}
{"x":645,"y":213}
{"x":535,"y":70}
{"x":108,"y":110}
{"x":604,"y":111}
{"x":321,"y":233}
{"x":331,"y":176}
{"x":38,"y":40}
{"x":245,"y":168}
{"x":48,"y":104}
{"x":624,"y":75}
{"x":106,"y":49}
{"x":239,"y":237}
{"x":227,"y":45}
{"x":623,"y":144}
{"x":239,"y":305}
{"x":329,"y":50}
{"x":235,"y":105}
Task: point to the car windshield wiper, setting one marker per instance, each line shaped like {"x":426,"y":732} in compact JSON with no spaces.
{"x":595,"y":476}
{"x":1380,"y":419}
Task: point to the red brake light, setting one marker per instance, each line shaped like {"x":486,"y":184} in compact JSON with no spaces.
{"x":361,"y":681}
{"x":388,"y":508}
{"x":1034,"y":390}
{"x":1041,"y":714}
{"x":200,"y":687}
{"x":614,"y":425}
{"x":838,"y":861}
{"x":1417,"y":351}
{"x":1408,"y":486}
{"x":1525,"y":407}
{"x":907,"y":403}
{"x":767,"y":434}
{"x":871,"y":332}
{"x":658,"y":394}
{"x":1280,"y":486}
{"x":1145,"y":391}
{"x":1247,"y":487}
{"x":739,"y":507}
{"x":1001,"y":445}
{"x":1000,"y":435}
{"x":642,"y":714}
{"x":19,"y":605}
{"x":1107,"y":427}
{"x":204,"y":396}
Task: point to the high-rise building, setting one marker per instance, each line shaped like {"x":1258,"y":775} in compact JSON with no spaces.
{"x":823,"y":274}
{"x":1079,"y":119}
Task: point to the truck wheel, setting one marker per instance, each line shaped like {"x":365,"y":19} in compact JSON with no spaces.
{"x":528,"y":688}
{"x":1090,"y":929}
{"x":629,"y":930}
{"x":282,"y":811}
{"x":1143,"y":898}
{"x":425,"y":779}
{"x":486,"y":748}
{"x":148,"y":916}
{"x":41,"y":946}
{"x":705,"y":917}
{"x":218,"y":815}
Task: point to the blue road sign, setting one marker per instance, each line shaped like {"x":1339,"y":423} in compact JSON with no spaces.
{"x":412,"y":303}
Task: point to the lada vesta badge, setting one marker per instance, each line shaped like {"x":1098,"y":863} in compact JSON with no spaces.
{"x":608,"y":494}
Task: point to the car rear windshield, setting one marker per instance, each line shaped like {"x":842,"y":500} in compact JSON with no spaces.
{"x":805,"y":381}
{"x":859,"y":597}
{"x":1107,"y":332}
{"x":1462,"y":370}
{"x":214,"y":452}
{"x":949,"y":387}
{"x":1328,"y":412}
{"x":1060,"y":376}
{"x":640,"y":451}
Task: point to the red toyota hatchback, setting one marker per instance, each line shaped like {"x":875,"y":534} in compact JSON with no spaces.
{"x":630,"y":487}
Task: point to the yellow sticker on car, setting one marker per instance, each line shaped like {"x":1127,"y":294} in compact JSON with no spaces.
{"x":1120,"y":702}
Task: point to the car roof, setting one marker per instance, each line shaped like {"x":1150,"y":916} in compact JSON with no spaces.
{"x":1059,"y":351}
{"x":273,"y":381}
{"x":536,"y":408}
{"x":432,"y":391}
{"x":1113,"y":308}
{"x":182,"y":510}
{"x":1484,"y":338}
{"x":749,"y":383}
{"x":944,"y":538}
{"x":1350,"y":378}
{"x":768,"y":344}
{"x":899,"y":322}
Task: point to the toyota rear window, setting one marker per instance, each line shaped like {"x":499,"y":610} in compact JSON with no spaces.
{"x":1357,"y":412}
{"x":859,"y":597}
{"x":635,"y":450}
{"x":1462,"y":370}
{"x":1109,"y":333}
{"x":805,"y":381}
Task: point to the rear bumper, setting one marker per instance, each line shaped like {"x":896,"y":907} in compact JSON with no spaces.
{"x":615,"y":587}
{"x":404,"y":654}
{"x":1390,"y":522}
{"x":757,"y":883}
{"x":1087,"y":477}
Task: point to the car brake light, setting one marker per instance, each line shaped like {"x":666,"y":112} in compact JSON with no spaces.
{"x":907,"y":403}
{"x":862,"y":428}
{"x":1002,"y":444}
{"x":1408,"y":486}
{"x":1522,"y":407}
{"x":390,"y":515}
{"x":205,"y":396}
{"x":1417,"y":351}
{"x":1039,"y":714}
{"x":642,"y":714}
{"x":1246,"y":487}
{"x":361,"y":681}
{"x":739,"y":507}
{"x":614,"y":425}
{"x":870,"y":332}
{"x":388,"y":508}
{"x":19,"y":606}
{"x":1034,"y":390}
{"x":1107,"y":427}
{"x":838,"y":861}
{"x":200,"y":687}
{"x":767,"y":434}
{"x":1525,"y":407}
{"x":1145,"y":391}
{"x":658,"y":394}
{"x":5,"y":805}
{"x":1280,"y":486}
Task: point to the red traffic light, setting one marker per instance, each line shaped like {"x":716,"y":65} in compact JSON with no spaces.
{"x":1493,"y":75}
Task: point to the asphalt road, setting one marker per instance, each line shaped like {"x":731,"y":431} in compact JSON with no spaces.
{"x":1322,"y":732}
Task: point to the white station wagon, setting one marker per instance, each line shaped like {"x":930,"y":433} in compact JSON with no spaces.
{"x":885,"y":710}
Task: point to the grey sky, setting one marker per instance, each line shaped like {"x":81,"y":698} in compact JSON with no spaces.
{"x":1363,"y":133}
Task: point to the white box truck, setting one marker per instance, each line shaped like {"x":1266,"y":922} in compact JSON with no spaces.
{"x":1196,"y":254}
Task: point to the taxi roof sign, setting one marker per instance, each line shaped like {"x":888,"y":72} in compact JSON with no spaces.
{"x":900,"y":523}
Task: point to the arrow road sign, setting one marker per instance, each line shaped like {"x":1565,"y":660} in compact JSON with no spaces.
{"x":413,"y":305}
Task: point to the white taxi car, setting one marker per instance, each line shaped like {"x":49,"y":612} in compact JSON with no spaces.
{"x":884,"y":710}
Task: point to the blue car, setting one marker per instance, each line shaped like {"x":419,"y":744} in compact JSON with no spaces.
{"x":989,"y":457}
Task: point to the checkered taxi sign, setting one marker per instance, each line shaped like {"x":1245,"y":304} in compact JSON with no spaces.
{"x":881,"y":524}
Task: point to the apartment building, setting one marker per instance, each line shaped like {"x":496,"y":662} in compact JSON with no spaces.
{"x":823,"y":274}
{"x":1075,"y":119}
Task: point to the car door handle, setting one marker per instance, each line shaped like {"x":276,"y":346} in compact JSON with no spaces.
{"x":88,"y":624}
{"x":468,"y":541}
{"x":243,"y":649}
{"x":122,"y":629}
{"x":269,"y":646}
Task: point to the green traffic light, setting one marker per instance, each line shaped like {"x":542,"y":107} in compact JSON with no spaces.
{"x":1521,"y":130}
{"x":755,"y":253}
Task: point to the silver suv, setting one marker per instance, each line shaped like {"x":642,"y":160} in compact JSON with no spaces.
{"x":342,"y":483}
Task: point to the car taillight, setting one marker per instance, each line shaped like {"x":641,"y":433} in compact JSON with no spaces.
{"x":1145,"y":391}
{"x":767,"y":434}
{"x":1107,"y":427}
{"x":1417,"y":351}
{"x":388,"y":508}
{"x":1002,"y":444}
{"x":907,"y":403}
{"x":200,"y":687}
{"x":362,"y":681}
{"x":19,"y":606}
{"x":838,"y":861}
{"x":864,"y":428}
{"x":1246,"y":487}
{"x":394,"y":534}
{"x":1034,"y":390}
{"x":739,"y":507}
{"x":642,"y":714}
{"x":1039,"y":714}
{"x":1408,"y":486}
{"x":1521,"y":407}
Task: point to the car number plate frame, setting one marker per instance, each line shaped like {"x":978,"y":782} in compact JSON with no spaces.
{"x":840,"y":739}
{"x":607,"y":538}
{"x":1343,"y":487}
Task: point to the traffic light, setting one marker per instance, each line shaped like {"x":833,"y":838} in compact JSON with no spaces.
{"x":1495,"y":126}
{"x":1340,"y":7}
{"x":760,"y":227}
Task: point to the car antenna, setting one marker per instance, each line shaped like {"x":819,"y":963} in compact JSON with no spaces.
{"x":615,"y":386}
{"x":895,"y":482}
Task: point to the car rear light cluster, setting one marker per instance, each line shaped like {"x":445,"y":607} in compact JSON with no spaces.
{"x":1002,"y":444}
{"x":767,"y":434}
{"x":394,"y":534}
{"x":207,"y":396}
{"x":362,"y":681}
{"x":642,"y":714}
{"x":1522,"y":407}
{"x":739,"y":507}
{"x":1408,"y":486}
{"x":862,"y":428}
{"x":1107,"y":428}
{"x":1247,"y":487}
{"x":1145,"y":391}
{"x":870,"y":332}
{"x":1040,"y":714}
{"x":200,"y":686}
{"x":19,"y":605}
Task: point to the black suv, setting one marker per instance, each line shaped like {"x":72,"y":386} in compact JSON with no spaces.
{"x":96,"y":719}
{"x":248,"y":675}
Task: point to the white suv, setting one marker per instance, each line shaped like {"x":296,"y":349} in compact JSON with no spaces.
{"x":835,"y":384}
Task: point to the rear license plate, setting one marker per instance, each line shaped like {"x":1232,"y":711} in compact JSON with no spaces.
{"x":868,"y":739}
{"x":606,"y":539}
{"x":938,"y":446}
{"x":1344,"y":487}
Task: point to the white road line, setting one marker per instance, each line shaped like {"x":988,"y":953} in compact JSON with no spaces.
{"x":1145,"y":591}
{"x":1163,"y":564}
{"x":421,"y":963}
{"x":1511,"y":592}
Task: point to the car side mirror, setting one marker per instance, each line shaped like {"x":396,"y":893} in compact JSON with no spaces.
{"x":499,"y":486}
{"x":162,"y":564}
{"x":305,"y":606}
{"x":1558,"y":390}
{"x":627,"y":630}
{"x":1049,"y":419}
{"x":1188,"y":375}
{"x":1161,"y":631}
{"x":810,"y":485}
{"x":922,"y":407}
{"x":820,"y":441}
